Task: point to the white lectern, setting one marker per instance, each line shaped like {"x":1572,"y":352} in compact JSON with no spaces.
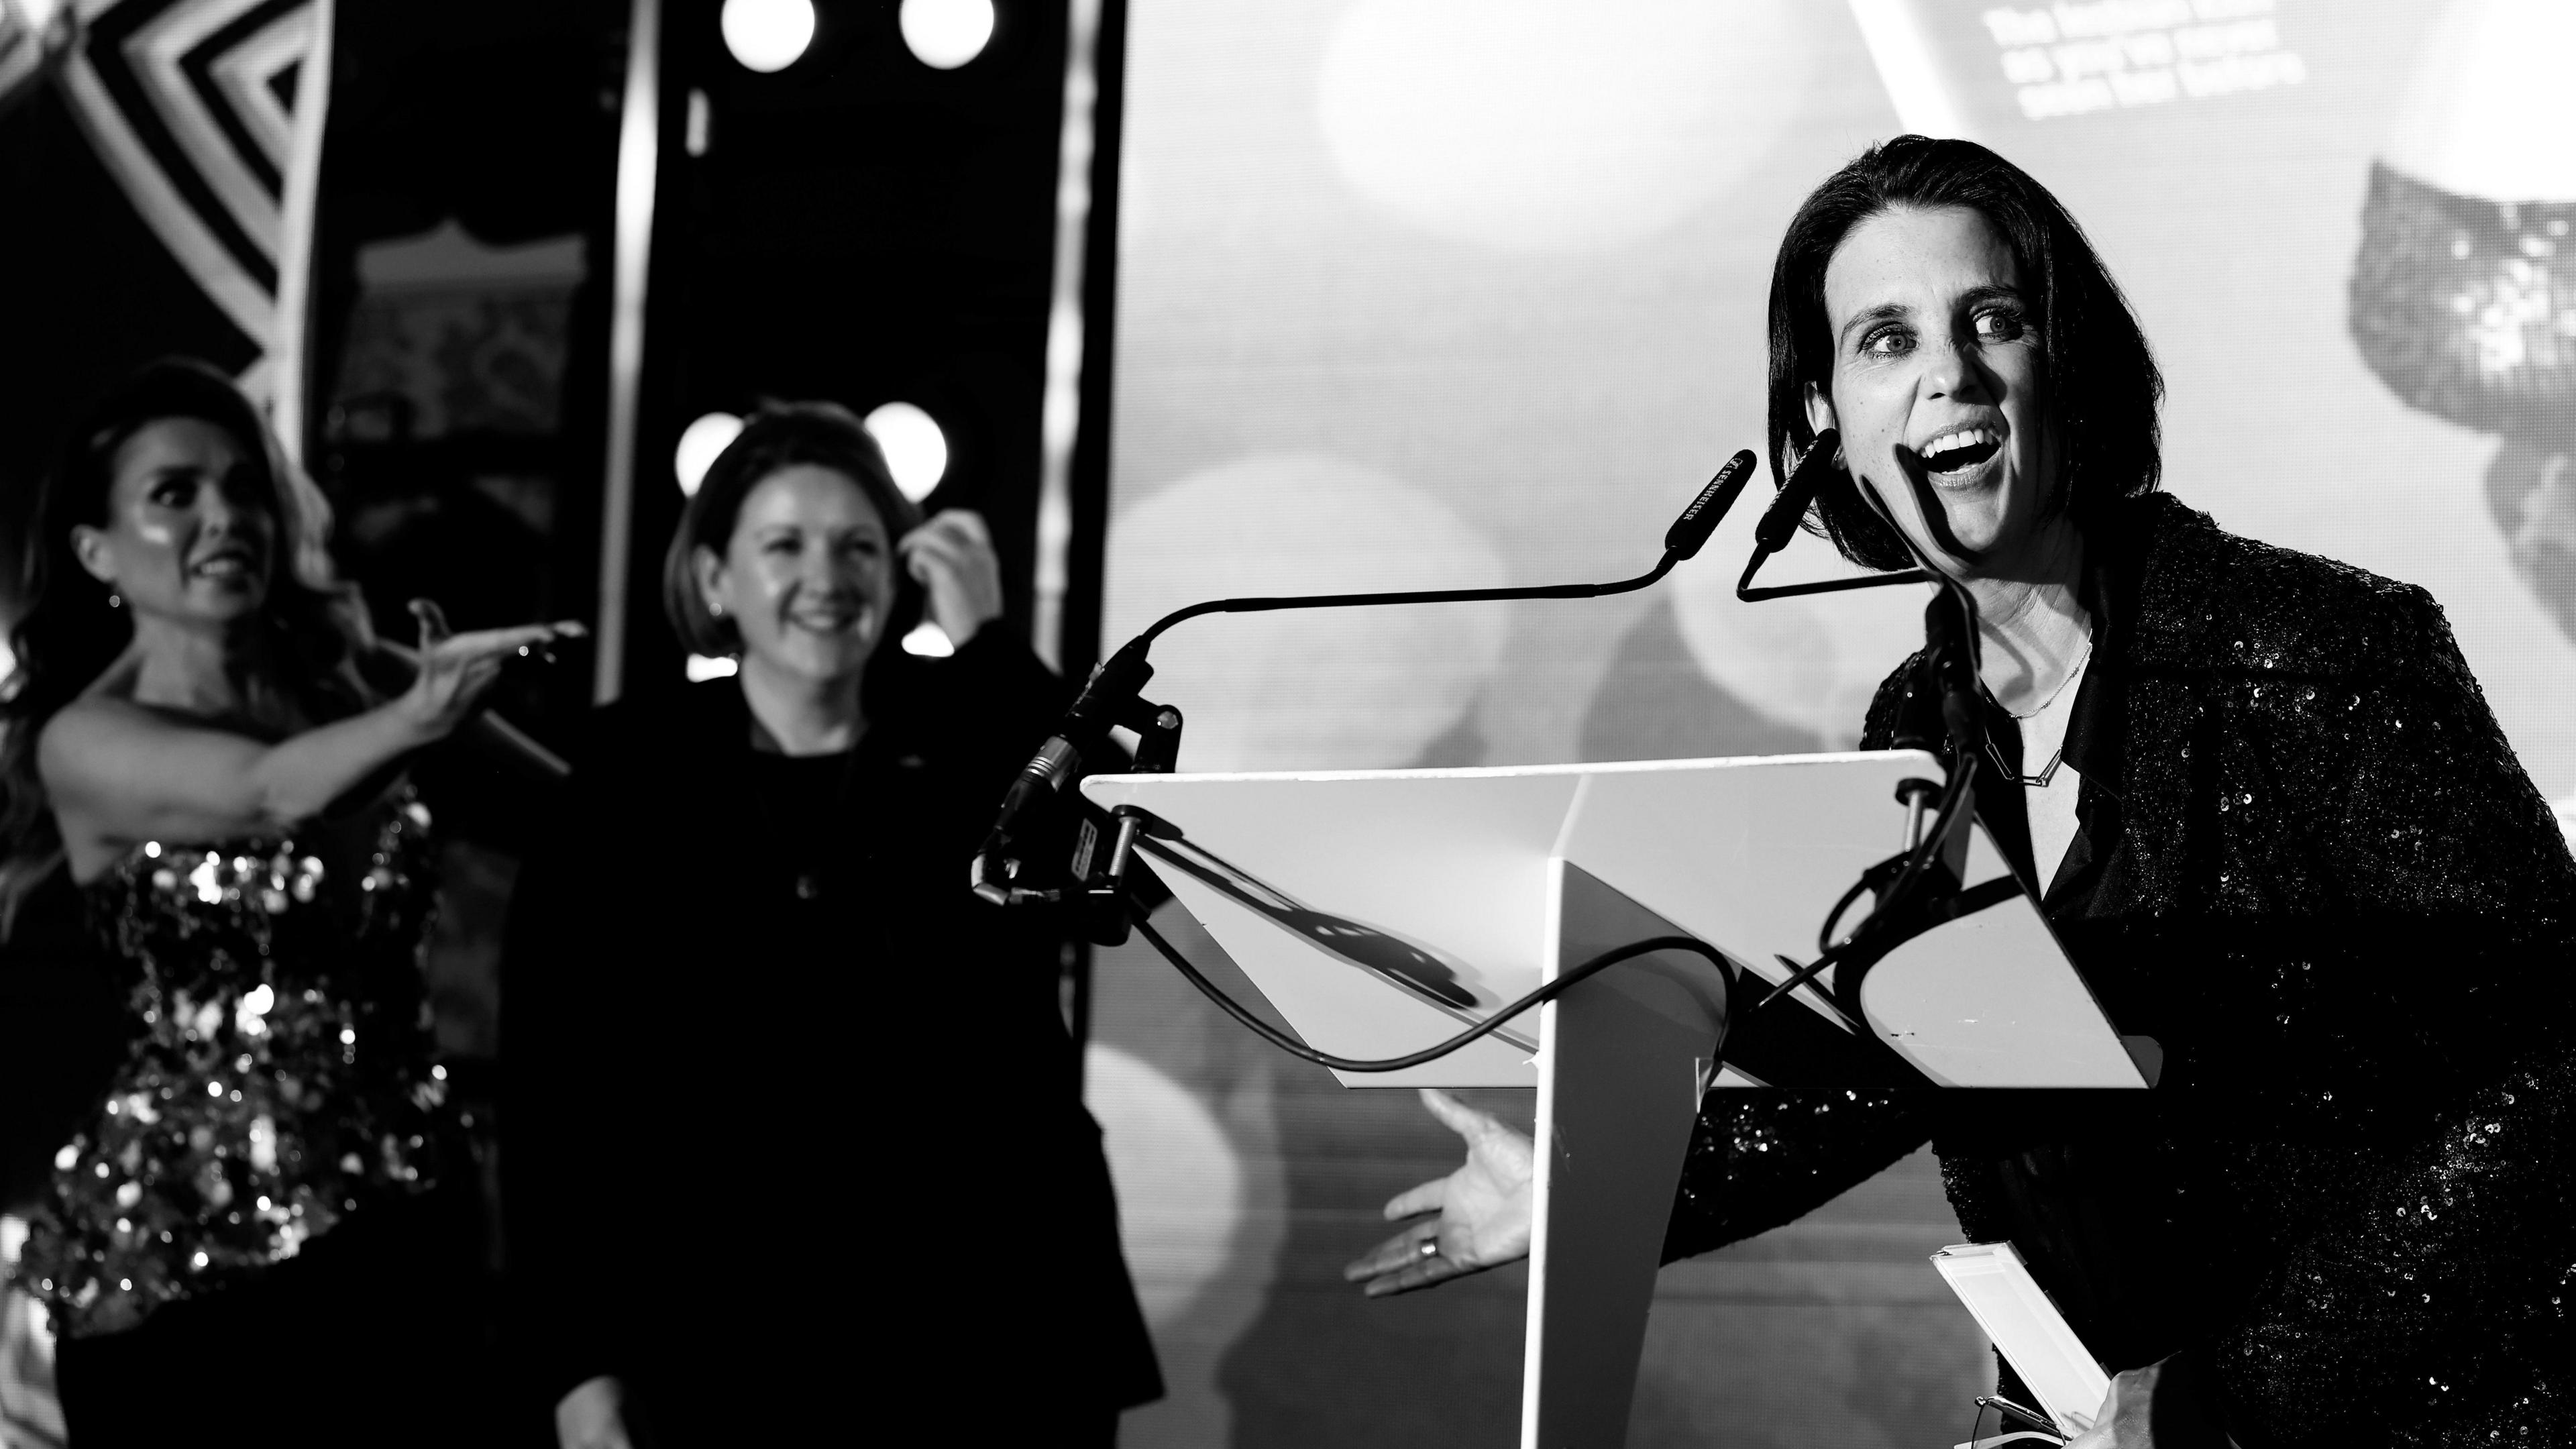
{"x":1379,"y":910}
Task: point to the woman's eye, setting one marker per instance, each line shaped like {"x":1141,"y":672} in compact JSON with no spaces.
{"x":173,"y":493}
{"x":784,"y":543}
{"x":2000,"y":324}
{"x":1886,"y":342}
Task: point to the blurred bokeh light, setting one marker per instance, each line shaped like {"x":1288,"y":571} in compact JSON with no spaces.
{"x":700,"y":444}
{"x":916,"y":451}
{"x":945,"y":34}
{"x":929,"y":641}
{"x":768,"y":35}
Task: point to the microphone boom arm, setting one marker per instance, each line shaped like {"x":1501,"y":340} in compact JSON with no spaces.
{"x":1688,"y":533}
{"x":1113,"y":694}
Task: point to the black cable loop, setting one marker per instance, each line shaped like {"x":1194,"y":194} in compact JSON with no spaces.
{"x":1564,"y":982}
{"x":1897,"y":899}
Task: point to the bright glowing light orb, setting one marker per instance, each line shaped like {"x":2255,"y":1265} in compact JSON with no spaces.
{"x":700,"y":443}
{"x":1307,"y":523}
{"x":945,"y":34}
{"x":916,"y":451}
{"x":768,"y":35}
{"x":929,"y":641}
{"x":1561,"y":126}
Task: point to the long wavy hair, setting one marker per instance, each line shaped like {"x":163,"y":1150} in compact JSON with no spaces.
{"x":66,"y":634}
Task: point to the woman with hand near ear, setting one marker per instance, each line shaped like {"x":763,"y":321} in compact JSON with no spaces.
{"x":265,"y":1231}
{"x":791,"y":1128}
{"x":2266,"y":810}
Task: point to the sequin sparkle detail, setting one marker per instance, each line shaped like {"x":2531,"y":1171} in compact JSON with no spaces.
{"x":279,"y":1078}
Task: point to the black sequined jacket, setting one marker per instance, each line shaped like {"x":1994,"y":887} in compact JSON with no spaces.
{"x":2311,"y":867}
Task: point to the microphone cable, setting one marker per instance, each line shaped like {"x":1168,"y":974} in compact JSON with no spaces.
{"x":1564,"y":982}
{"x":1952,"y":647}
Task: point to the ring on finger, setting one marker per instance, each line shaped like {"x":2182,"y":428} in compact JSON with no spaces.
{"x":1428,"y":1247}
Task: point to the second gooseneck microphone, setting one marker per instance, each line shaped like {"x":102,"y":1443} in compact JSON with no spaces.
{"x":1780,"y":521}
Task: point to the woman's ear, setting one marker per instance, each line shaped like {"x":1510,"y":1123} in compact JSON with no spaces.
{"x":1820,"y":409}
{"x":708,"y":568}
{"x":89,"y":545}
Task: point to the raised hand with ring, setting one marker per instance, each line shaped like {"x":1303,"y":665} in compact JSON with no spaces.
{"x":1483,"y":1207}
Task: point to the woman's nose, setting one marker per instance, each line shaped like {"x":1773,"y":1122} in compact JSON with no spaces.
{"x":1951,"y":371}
{"x":825,"y":569}
{"x":218,"y":512}
{"x":238,"y":506}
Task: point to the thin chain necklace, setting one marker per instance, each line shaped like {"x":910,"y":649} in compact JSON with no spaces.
{"x":2047,"y":772}
{"x":2072,"y":671}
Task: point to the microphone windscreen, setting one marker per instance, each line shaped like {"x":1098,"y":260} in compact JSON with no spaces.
{"x":1692,"y":530}
{"x":1790,"y":504}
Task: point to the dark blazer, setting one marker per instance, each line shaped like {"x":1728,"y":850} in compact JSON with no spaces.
{"x":2311,"y":867}
{"x":791,"y":1130}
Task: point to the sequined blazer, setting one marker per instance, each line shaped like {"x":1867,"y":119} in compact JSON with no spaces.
{"x":2311,"y":867}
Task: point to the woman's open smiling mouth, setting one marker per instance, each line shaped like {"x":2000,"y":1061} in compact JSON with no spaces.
{"x":1959,"y":457}
{"x":231,"y":565}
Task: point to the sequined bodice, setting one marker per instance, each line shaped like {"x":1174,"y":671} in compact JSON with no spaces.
{"x":279,"y":1075}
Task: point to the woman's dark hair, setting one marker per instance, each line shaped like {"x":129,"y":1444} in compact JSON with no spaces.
{"x":2099,"y":385}
{"x":65,"y":633}
{"x":776,"y":437}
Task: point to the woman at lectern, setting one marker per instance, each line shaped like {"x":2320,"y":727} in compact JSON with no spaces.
{"x":2278,"y":829}
{"x":791,"y":1127}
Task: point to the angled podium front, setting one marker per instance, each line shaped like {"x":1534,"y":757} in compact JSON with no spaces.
{"x":1379,"y":911}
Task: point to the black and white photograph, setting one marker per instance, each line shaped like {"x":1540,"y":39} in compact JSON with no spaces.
{"x":1194,"y":724}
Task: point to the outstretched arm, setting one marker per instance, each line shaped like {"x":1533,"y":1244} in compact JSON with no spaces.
{"x":118,"y":773}
{"x":1759,"y":1159}
{"x":1756,"y":1160}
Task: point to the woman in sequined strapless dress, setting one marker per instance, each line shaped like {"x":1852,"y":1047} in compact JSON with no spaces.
{"x":246,"y":1240}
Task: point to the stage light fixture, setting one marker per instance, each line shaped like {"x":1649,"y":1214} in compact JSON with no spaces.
{"x":700,"y":442}
{"x":945,"y":34}
{"x":916,"y":451}
{"x":768,"y":35}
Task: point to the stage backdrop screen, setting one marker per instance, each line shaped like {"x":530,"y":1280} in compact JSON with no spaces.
{"x":1449,"y":292}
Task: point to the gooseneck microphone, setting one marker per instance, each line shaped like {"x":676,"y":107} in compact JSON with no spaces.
{"x":1111,"y":697}
{"x":1780,"y":524}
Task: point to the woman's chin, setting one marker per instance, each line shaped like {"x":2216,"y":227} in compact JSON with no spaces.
{"x":818,"y":659}
{"x":1976,"y":520}
{"x":219,"y":605}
